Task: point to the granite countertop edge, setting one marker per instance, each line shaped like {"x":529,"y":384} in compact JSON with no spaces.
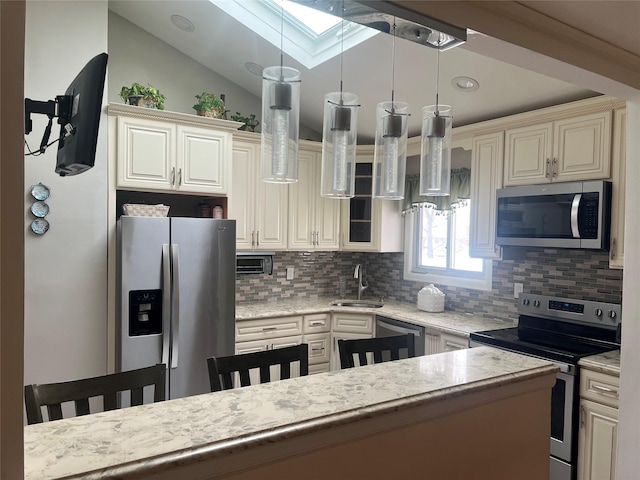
{"x":217,"y":449}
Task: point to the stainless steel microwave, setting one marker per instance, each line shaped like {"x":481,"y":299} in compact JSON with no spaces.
{"x":557,"y":215}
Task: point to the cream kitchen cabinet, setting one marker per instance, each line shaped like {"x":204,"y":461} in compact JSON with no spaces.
{"x":450,"y":342}
{"x":597,"y":439}
{"x":317,"y":334}
{"x":259,"y":208}
{"x":571,"y":149}
{"x":348,"y":326}
{"x":486,"y":178}
{"x":439,"y":342}
{"x":314,"y":221}
{"x":618,"y":178}
{"x":160,"y":155}
{"x":368,"y":224}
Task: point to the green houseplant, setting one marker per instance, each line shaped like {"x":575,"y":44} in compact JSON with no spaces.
{"x":209,"y":105}
{"x":142,"y":96}
{"x":250,"y":122}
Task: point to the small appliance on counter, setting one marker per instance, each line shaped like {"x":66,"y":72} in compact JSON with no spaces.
{"x":431,"y":299}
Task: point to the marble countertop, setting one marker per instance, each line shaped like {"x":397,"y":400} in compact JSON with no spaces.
{"x":608,"y":362}
{"x":448,"y":321}
{"x":151,"y":438}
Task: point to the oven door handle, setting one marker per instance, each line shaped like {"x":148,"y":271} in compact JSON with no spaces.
{"x":564,"y":367}
{"x":575,"y":206}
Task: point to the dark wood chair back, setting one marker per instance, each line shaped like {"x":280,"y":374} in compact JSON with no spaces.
{"x":53,"y":395}
{"x":222,"y":369}
{"x":375,"y":346}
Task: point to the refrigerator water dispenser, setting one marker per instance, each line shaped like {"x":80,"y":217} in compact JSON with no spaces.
{"x":145,"y":312}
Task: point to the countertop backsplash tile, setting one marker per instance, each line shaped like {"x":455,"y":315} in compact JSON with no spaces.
{"x":578,"y":274}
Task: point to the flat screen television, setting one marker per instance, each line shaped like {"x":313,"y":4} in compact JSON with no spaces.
{"x":79,"y":123}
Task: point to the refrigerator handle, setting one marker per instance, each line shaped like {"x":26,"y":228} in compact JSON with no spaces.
{"x":166,"y":304}
{"x":175,"y":333}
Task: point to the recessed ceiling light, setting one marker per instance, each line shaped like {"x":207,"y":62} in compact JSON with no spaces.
{"x":465,"y":84}
{"x":183,"y":23}
{"x":254,"y":68}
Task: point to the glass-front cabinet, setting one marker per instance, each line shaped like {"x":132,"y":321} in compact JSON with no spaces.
{"x":369,"y":224}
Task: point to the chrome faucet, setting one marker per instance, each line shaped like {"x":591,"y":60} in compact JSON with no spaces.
{"x":362,"y":286}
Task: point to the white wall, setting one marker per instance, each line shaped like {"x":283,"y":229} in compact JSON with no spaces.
{"x":65,"y":269}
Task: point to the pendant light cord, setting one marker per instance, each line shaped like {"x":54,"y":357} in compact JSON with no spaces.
{"x":281,"y":41}
{"x":341,"y":51}
{"x":393,"y":66}
{"x":438,"y":73}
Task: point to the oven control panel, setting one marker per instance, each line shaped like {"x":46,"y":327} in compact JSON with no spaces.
{"x":582,"y":311}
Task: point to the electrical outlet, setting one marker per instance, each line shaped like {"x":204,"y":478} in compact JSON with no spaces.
{"x":518,"y":288}
{"x":289,"y":273}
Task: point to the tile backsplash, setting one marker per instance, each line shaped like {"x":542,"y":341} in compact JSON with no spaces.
{"x":578,"y":274}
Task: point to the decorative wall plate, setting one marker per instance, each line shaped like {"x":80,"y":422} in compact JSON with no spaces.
{"x":39,"y":226}
{"x":40,"y":191}
{"x":39,"y":209}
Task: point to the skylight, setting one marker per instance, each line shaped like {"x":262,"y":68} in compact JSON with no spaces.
{"x":318,"y":22}
{"x":311,"y":37}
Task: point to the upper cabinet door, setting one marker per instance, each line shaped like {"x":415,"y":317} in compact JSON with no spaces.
{"x":486,"y":178}
{"x":527,"y":158}
{"x":302,"y":197}
{"x":203,"y":160}
{"x":146,"y":154}
{"x":242,"y":198}
{"x":565,"y":150}
{"x":616,"y":251}
{"x":582,"y":147}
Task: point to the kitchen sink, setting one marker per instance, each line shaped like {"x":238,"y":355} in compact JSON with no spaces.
{"x":356,"y":303}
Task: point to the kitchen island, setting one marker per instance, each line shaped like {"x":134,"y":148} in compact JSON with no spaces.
{"x":479,"y":413}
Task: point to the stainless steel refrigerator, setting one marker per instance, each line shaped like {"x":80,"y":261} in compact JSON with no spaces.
{"x":176,"y":297}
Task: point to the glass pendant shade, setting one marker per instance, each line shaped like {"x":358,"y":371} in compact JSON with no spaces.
{"x":339,"y":137}
{"x":390,"y":156}
{"x":435,"y":157}
{"x":280,"y":123}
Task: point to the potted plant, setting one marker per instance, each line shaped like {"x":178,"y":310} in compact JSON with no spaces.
{"x":209,"y":105}
{"x":142,"y":96}
{"x":250,"y":122}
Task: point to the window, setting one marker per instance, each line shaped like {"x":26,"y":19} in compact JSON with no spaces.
{"x":437,"y":238}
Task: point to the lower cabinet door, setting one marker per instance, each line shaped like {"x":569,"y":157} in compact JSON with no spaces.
{"x":597,"y":441}
{"x":270,"y":344}
{"x":319,"y":347}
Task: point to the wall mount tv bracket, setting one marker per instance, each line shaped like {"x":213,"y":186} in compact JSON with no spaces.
{"x":61,"y":108}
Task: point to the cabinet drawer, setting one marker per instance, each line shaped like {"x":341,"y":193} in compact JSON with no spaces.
{"x":599,"y":387}
{"x":316,"y":323}
{"x":449,"y":342}
{"x":353,"y":323}
{"x":319,"y":347}
{"x":267,"y":328}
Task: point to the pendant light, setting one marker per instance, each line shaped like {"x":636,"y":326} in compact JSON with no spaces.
{"x":390,"y":155}
{"x":280,"y":120}
{"x":435,"y":157}
{"x":339,"y":137}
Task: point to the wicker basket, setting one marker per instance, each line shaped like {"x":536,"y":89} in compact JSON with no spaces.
{"x":141,"y":210}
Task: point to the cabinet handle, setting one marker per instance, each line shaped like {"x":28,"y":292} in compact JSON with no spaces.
{"x":173,"y":175}
{"x":613,"y":249}
{"x":253,"y":238}
{"x":269,"y":329}
{"x":581,"y":416}
{"x":317,"y":349}
{"x":554,"y":170}
{"x":179,"y":176}
{"x":319,"y":323}
{"x":611,"y":392}
{"x":257,"y":238}
{"x":546,"y":170}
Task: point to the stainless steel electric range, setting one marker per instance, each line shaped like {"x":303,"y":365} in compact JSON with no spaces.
{"x":562,"y":331}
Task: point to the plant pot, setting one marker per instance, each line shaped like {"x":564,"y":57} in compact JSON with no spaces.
{"x":140,"y":101}
{"x":211,"y":113}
